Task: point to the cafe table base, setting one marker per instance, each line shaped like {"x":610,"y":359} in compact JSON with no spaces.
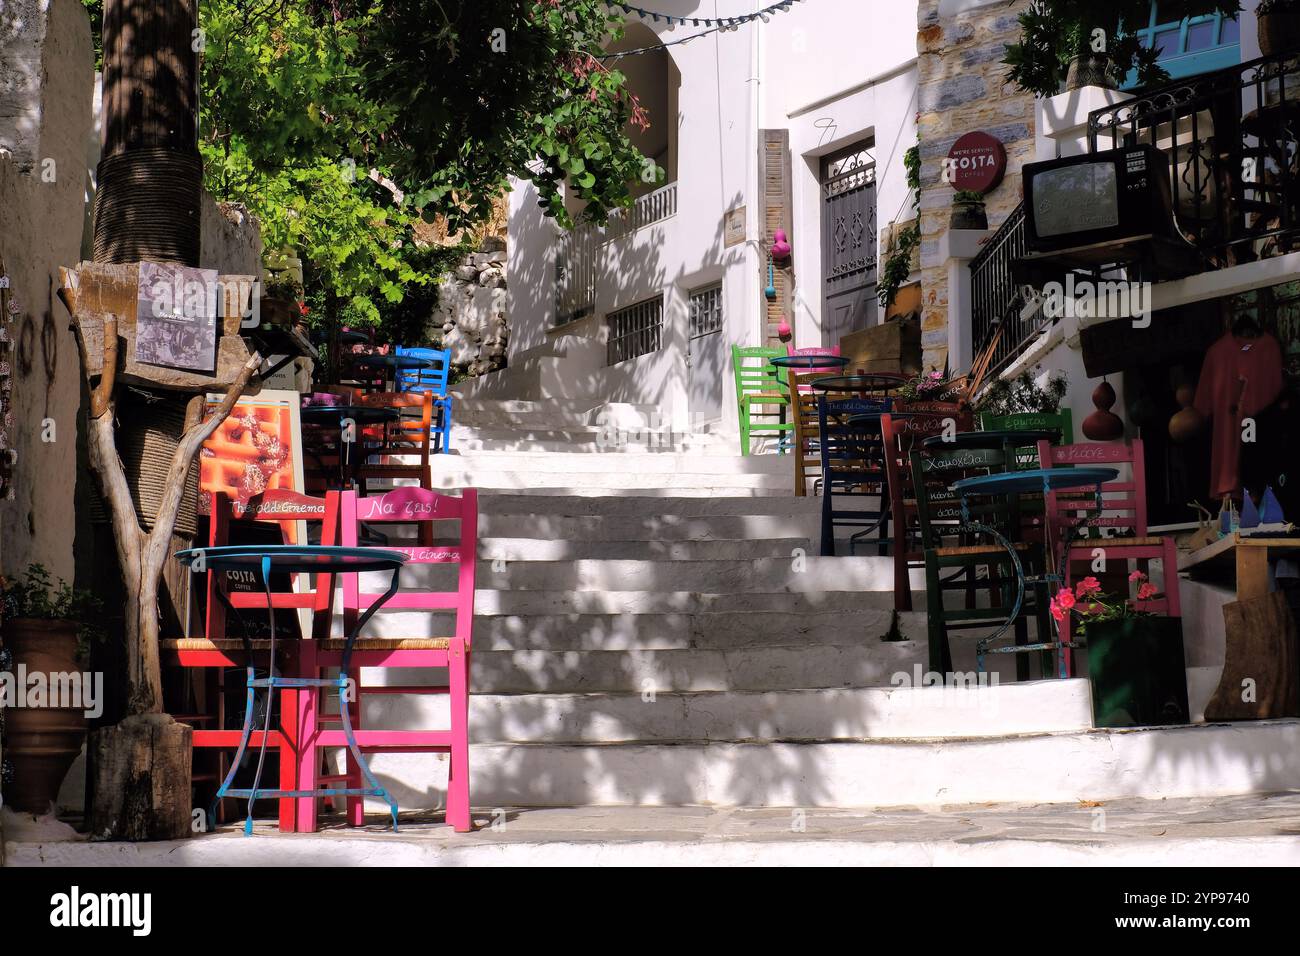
{"x":317,"y":560}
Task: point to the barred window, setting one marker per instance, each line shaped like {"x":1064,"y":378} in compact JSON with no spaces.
{"x":706,"y":311}
{"x":634,"y":331}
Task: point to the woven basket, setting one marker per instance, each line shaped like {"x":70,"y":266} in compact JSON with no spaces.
{"x":147,"y":435}
{"x":147,"y":207}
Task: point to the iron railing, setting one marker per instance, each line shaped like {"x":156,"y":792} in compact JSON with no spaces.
{"x":1232,"y":139}
{"x":1233,"y":142}
{"x":578,"y":251}
{"x":997,"y":303}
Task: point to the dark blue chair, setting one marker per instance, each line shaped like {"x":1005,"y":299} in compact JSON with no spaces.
{"x":433,"y":379}
{"x":855,"y":490}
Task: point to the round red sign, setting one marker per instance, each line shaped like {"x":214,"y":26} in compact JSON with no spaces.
{"x":975,"y":162}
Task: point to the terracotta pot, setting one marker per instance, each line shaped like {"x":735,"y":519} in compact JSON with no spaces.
{"x":42,"y":742}
{"x":1279,"y":32}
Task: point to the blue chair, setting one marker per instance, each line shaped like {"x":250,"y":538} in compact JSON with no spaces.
{"x":433,"y":379}
{"x":854,"y":484}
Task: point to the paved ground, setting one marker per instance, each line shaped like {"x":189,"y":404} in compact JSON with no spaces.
{"x":1246,"y":831}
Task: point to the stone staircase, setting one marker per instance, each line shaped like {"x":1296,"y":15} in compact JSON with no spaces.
{"x":653,"y":627}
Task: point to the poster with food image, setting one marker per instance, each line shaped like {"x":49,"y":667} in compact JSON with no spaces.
{"x":257,"y":448}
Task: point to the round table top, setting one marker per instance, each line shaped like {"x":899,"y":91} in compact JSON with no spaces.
{"x":810,"y":361}
{"x":874,"y":382}
{"x":334,"y":414}
{"x":392,"y":361}
{"x":353,"y":337}
{"x":291,"y":557}
{"x":991,"y":440}
{"x":1034,"y":479}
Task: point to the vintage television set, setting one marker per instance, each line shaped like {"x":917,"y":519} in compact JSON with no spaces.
{"x":1112,"y":207}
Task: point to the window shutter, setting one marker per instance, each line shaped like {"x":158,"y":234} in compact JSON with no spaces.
{"x":775,"y":213}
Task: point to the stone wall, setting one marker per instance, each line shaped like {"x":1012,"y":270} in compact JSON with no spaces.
{"x":962,"y":87}
{"x":470,"y":317}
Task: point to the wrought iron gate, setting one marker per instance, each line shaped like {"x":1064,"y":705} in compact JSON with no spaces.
{"x":848,"y":242}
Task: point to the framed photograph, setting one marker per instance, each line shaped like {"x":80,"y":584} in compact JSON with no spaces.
{"x":176,"y":317}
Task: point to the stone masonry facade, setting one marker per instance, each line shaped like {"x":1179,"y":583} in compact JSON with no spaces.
{"x":962,"y":88}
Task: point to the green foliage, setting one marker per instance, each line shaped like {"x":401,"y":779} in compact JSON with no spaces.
{"x":1054,"y":32}
{"x":308,"y":110}
{"x":898,"y":266}
{"x":1022,"y":395}
{"x":37,"y":596}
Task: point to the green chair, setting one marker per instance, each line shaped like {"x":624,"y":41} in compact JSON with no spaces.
{"x":1027,"y":457}
{"x":957,"y":560}
{"x":762,"y":394}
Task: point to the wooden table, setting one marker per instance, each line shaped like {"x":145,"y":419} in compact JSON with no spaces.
{"x":1247,"y":555}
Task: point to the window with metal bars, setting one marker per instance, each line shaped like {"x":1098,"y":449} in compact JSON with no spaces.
{"x":1187,"y":47}
{"x":706,"y":311}
{"x":634,"y":331}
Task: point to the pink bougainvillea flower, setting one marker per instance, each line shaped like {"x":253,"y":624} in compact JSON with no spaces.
{"x":1065,"y":598}
{"x":1137,"y":576}
{"x":1088,"y":585}
{"x":1058,"y":612}
{"x":1147,"y":591}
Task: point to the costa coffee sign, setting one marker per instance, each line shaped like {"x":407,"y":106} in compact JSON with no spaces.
{"x":976,"y":162}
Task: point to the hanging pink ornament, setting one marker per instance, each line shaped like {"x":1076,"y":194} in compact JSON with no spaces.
{"x":783,"y":330}
{"x":780,"y":245}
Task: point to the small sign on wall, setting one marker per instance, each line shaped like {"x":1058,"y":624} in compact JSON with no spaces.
{"x":733,"y":227}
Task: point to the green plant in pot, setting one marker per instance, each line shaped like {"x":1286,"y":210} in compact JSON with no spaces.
{"x":1279,"y":26}
{"x":1135,"y":658}
{"x":1068,"y":44}
{"x":47,"y":627}
{"x":968,"y":210}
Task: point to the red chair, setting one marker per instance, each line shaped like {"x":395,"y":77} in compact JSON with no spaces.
{"x":222,"y":647}
{"x":899,"y":433}
{"x":422,"y":509}
{"x":1124,"y":506}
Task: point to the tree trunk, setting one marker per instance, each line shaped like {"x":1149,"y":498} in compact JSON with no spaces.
{"x":142,"y":780}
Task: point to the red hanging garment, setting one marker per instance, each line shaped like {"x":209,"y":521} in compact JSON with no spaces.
{"x":1240,"y":378}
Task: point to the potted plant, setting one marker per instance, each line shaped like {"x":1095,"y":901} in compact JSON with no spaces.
{"x":46,"y":632}
{"x":1278,"y":23}
{"x":1135,"y":658}
{"x":1023,"y":395}
{"x":968,"y":210}
{"x":1074,"y":43}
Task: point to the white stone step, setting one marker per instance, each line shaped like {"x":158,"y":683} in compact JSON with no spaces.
{"x":589,"y":439}
{"x":663,"y":714}
{"x":685,"y":484}
{"x":605,"y":466}
{"x":564,"y":549}
{"x":499,"y":626}
{"x":642,"y":505}
{"x":652,"y":529}
{"x":555,"y":414}
{"x":491,"y":600}
{"x":749,"y":668}
{"x":1150,"y":763}
{"x":1247,"y":831}
{"x":790,"y":574}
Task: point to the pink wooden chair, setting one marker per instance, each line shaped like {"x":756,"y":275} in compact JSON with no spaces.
{"x":1124,"y":505}
{"x":419,"y":508}
{"x":222,"y":647}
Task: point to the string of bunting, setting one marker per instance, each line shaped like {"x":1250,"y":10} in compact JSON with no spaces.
{"x":712,"y":24}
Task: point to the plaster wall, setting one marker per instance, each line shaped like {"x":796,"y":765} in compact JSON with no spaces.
{"x":46,"y":74}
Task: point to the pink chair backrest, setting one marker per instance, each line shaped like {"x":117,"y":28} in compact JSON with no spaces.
{"x":1124,"y":500}
{"x":814,"y":350}
{"x":417,"y":506}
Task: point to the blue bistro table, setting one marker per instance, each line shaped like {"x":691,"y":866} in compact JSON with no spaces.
{"x":869,"y":382}
{"x":339,"y":416}
{"x":391,"y":363}
{"x":294,"y":559}
{"x":1032,"y":480}
{"x":809,"y":361}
